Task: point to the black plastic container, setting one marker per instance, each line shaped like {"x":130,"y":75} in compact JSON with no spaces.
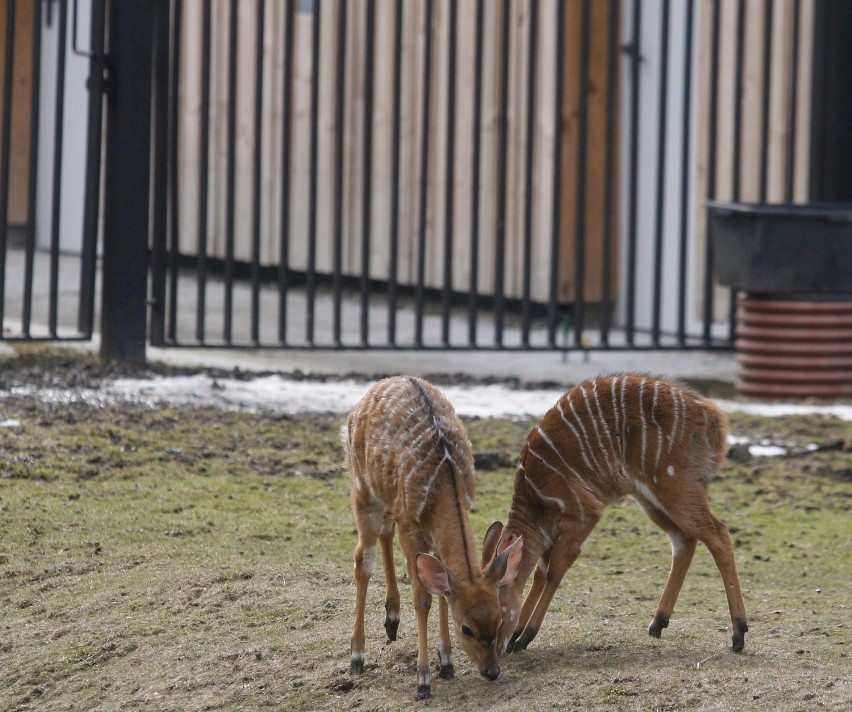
{"x":783,"y":249}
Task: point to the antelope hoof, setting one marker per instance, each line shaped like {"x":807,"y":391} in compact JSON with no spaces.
{"x":520,"y":642}
{"x":424,"y":692}
{"x":391,"y":620}
{"x":356,"y":664}
{"x":738,"y":638}
{"x":391,"y":627}
{"x":655,"y":630}
{"x":448,"y":672}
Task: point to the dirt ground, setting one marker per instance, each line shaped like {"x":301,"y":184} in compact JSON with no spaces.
{"x":176,"y":559}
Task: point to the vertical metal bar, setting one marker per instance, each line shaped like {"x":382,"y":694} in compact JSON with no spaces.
{"x":502,"y":173}
{"x":56,"y":203}
{"x":5,"y":146}
{"x":739,"y":91}
{"x":424,"y":177}
{"x":713,"y":112}
{"x":609,"y":209}
{"x":767,"y":95}
{"x":286,"y":144}
{"x":662,"y":126}
{"x":579,"y":320}
{"x":532,"y":56}
{"x":633,"y":189}
{"x":173,"y":174}
{"x":790,"y":171}
{"x":159,"y":171}
{"x":32,"y":187}
{"x":395,"y":173}
{"x":203,"y":171}
{"x":685,"y":181}
{"x":258,"y":160}
{"x":556,"y":205}
{"x":736,"y":191}
{"x":450,"y":174}
{"x":339,"y":168}
{"x":473,"y":288}
{"x":127,"y":182}
{"x":231,"y":178}
{"x":94,"y":138}
{"x":815,"y":103}
{"x":310,"y":274}
{"x":367,"y":177}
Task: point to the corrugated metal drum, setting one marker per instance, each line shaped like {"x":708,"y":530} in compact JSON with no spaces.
{"x":794,"y":347}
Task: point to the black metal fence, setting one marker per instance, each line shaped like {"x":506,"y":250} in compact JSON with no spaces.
{"x":49,"y":173}
{"x":516,"y":174}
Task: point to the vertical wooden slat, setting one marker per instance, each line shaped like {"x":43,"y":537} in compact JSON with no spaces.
{"x":367,"y":175}
{"x":32,"y":175}
{"x":611,"y":171}
{"x":633,"y":169}
{"x":662,"y":125}
{"x":55,"y":209}
{"x":310,"y":278}
{"x":423,"y":192}
{"x":6,"y":143}
{"x":584,"y":192}
{"x":286,"y":169}
{"x":395,"y":187}
{"x":231,"y":171}
{"x":556,"y":188}
{"x":339,"y":170}
{"x":685,"y":173}
{"x":530,"y":119}
{"x":476,"y":168}
{"x":257,"y":165}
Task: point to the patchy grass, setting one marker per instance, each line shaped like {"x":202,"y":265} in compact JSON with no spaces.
{"x":199,"y":560}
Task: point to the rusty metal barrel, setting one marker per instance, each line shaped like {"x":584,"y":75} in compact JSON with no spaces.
{"x":794,"y":347}
{"x":792,"y":265}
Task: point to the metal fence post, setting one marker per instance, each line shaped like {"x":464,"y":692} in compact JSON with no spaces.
{"x":127,"y":180}
{"x":94,"y":141}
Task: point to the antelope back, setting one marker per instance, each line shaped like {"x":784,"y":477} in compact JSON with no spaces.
{"x":613,"y":435}
{"x":405,"y":446}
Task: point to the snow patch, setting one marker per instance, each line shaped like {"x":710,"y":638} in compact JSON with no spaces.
{"x":775,"y":410}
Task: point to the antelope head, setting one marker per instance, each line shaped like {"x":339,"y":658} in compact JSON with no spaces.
{"x":477,"y":612}
{"x":497,"y":543}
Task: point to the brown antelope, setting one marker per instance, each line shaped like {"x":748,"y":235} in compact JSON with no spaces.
{"x":412,"y":468}
{"x":624,"y":435}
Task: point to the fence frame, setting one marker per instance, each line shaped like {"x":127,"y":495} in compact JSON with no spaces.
{"x":445,"y":304}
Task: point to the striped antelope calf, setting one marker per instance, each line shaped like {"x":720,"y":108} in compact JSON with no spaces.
{"x":412,"y":468}
{"x":657,"y":441}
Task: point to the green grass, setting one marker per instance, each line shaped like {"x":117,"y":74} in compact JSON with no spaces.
{"x":165,"y":559}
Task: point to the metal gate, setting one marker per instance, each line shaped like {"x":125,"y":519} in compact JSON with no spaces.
{"x":517,"y":174}
{"x":465,"y":174}
{"x":50,"y":138}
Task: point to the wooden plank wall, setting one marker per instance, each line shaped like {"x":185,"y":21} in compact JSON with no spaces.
{"x":752,"y":100}
{"x":462,"y":188}
{"x":410,"y":131}
{"x":21,"y":106}
{"x":781,"y":127}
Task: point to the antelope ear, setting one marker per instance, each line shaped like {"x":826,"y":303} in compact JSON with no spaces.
{"x":504,"y":568}
{"x":433,"y":575}
{"x":489,"y":546}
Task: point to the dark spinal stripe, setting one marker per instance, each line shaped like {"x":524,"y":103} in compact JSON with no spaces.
{"x":445,"y":443}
